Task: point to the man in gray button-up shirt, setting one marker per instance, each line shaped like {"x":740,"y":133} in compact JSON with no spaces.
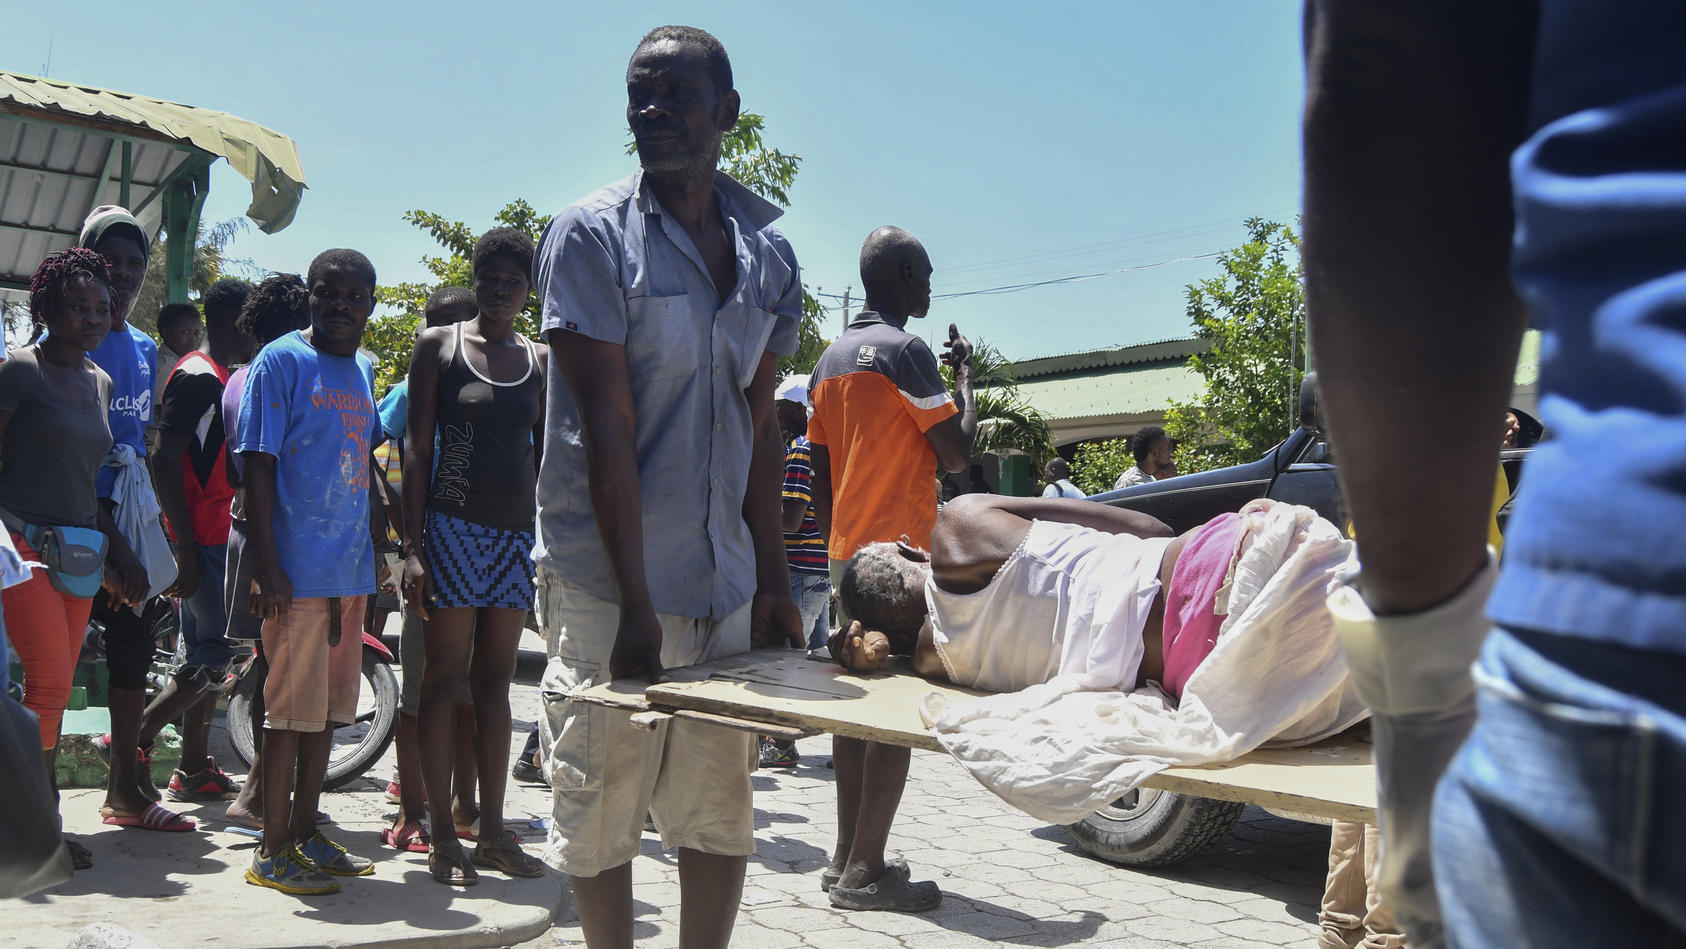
{"x":667,"y":299}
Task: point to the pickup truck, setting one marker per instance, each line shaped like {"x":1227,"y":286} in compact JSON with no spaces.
{"x":1149,"y":827}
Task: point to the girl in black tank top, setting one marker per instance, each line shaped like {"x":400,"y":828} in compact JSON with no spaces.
{"x":484,"y":471}
{"x":478,"y":387}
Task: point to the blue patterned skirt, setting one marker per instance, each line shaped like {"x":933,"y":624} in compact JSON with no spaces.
{"x":475,"y":565}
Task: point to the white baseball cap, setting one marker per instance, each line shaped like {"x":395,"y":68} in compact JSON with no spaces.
{"x":794,"y":389}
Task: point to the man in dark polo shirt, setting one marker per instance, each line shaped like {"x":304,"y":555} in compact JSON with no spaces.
{"x":883,"y":423}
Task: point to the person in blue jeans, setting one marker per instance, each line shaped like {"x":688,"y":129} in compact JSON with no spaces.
{"x":190,"y":474}
{"x":810,"y":572}
{"x":810,"y":576}
{"x":1469,"y":167}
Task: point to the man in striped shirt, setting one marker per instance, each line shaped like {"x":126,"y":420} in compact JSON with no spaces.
{"x":810,"y":573}
{"x":804,"y":548}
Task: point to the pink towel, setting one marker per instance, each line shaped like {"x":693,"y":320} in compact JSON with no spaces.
{"x":1191,"y":617}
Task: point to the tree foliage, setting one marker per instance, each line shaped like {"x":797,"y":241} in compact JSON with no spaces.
{"x":1096,"y":465}
{"x":743,"y":154}
{"x":210,"y":264}
{"x":1250,"y":314}
{"x":392,"y":336}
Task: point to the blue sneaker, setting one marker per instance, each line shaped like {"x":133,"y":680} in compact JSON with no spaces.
{"x":330,"y":857}
{"x":290,"y":872}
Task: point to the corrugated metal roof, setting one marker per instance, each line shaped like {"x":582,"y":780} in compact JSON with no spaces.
{"x":52,"y":176}
{"x":1156,"y":351}
{"x":61,"y":156}
{"x":1117,"y":391}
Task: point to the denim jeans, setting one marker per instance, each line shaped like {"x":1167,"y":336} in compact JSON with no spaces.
{"x":1560,"y":822}
{"x":813,"y":596}
{"x":204,"y":618}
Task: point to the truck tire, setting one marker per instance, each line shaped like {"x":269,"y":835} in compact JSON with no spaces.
{"x":1149,"y":828}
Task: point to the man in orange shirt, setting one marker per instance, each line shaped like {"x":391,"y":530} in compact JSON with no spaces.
{"x":882,"y":423}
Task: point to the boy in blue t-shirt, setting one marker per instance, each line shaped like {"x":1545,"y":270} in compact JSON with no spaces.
{"x":129,"y":357}
{"x":307,"y":422}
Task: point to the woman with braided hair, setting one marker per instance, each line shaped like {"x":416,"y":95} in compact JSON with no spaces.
{"x":53,"y":435}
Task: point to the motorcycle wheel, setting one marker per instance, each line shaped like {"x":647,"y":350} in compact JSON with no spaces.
{"x":357,"y":746}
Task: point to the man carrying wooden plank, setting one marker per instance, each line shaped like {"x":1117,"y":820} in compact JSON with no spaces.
{"x":667,"y":299}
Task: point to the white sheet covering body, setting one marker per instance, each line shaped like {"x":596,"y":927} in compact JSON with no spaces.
{"x":1069,"y":600}
{"x":1059,"y":751}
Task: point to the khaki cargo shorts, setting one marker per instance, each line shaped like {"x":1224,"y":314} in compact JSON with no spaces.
{"x":692,"y":779}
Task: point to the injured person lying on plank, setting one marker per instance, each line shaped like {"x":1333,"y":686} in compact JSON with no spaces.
{"x":1123,"y":650}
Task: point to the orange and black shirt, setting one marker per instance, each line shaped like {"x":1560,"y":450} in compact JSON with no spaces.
{"x":876,"y":392}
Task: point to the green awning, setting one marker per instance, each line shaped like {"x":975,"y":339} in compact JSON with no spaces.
{"x":266,"y":158}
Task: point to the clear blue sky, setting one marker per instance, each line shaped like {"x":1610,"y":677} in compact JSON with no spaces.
{"x":1020,"y":142}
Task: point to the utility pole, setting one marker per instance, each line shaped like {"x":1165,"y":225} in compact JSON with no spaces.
{"x":846,"y":291}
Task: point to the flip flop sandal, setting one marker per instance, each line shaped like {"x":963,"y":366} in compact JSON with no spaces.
{"x":451,"y":866}
{"x":81,"y":858}
{"x":469,"y":831}
{"x":154,"y":817}
{"x":506,"y":855}
{"x":411,"y":838}
{"x":891,"y":892}
{"x":829,"y":878}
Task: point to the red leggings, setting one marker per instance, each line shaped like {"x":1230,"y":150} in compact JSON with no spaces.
{"x":46,"y":627}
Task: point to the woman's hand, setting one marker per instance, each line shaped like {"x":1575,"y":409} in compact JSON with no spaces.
{"x":418,"y":586}
{"x":132,"y":583}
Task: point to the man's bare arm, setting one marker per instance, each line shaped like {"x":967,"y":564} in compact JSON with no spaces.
{"x":421,"y":420}
{"x":1412,"y":110}
{"x":167,"y":484}
{"x":791,"y":514}
{"x":775,"y":617}
{"x":954,"y":437}
{"x":273,"y":597}
{"x":819,"y":460}
{"x":600,"y":382}
{"x":976,"y":533}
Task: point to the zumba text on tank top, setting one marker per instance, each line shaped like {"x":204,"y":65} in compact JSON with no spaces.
{"x":484,"y":467}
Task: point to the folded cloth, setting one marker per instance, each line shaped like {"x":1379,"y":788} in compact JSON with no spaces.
{"x":13,"y":568}
{"x":1059,"y":752}
{"x":137,"y":518}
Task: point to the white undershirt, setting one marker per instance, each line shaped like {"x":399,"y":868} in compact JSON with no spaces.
{"x":1070,"y":599}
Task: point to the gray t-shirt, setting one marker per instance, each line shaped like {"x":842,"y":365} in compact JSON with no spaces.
{"x":51,"y":452}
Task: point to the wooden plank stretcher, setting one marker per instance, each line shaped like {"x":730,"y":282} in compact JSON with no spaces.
{"x":785,"y":694}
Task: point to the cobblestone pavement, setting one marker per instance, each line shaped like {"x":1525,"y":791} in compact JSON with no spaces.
{"x":1006,"y":877}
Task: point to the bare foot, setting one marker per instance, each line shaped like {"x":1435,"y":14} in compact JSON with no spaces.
{"x":132,"y":804}
{"x":243,"y":815}
{"x":464,"y":821}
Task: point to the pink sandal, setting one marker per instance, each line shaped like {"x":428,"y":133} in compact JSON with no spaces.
{"x":154,"y":817}
{"x":411,"y":838}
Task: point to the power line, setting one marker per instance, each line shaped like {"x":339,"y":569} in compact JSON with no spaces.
{"x":1152,"y":237}
{"x":1099,"y":266}
{"x":1074,"y":278}
{"x":1069,"y":278}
